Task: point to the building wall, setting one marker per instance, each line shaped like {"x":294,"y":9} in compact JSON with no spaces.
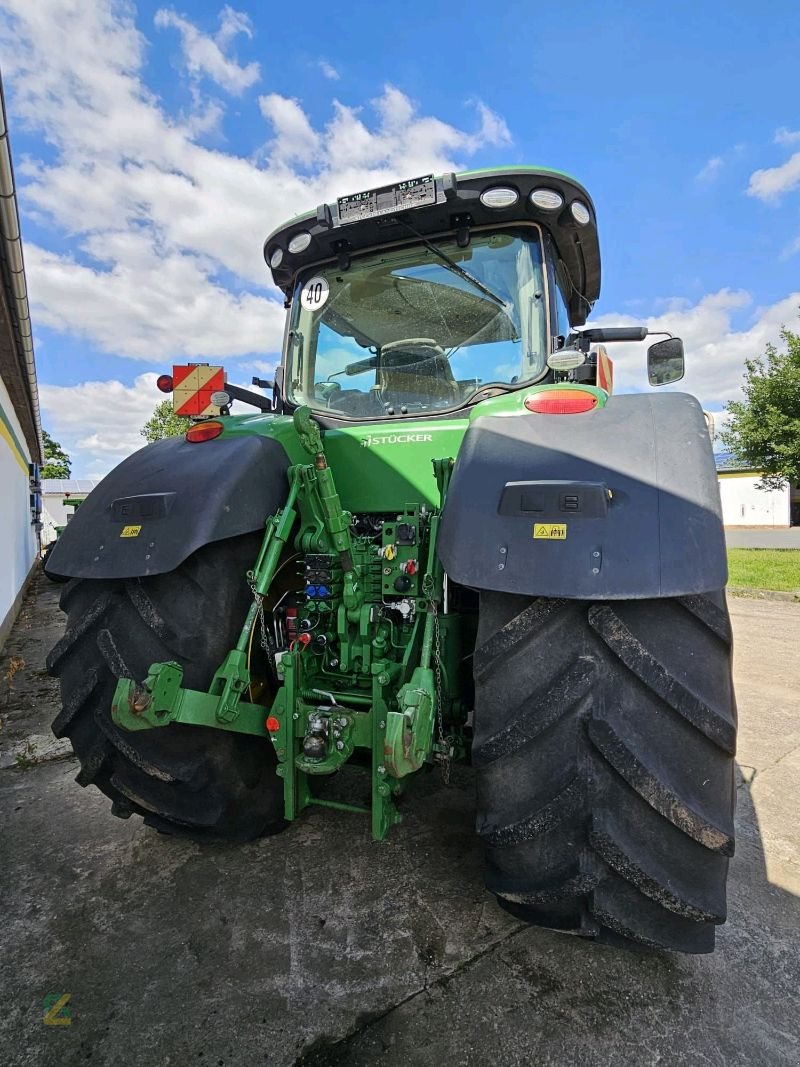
{"x":54,"y":511}
{"x":745,"y":505}
{"x":18,"y":544}
{"x":53,"y":514}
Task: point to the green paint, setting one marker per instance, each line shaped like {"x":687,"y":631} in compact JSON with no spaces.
{"x":385,"y":668}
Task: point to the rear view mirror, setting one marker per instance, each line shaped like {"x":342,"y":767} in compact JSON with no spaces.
{"x":665,"y":361}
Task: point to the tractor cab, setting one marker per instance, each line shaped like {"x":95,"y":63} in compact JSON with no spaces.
{"x":433,"y":294}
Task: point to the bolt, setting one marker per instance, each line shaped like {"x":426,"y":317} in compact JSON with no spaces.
{"x":337,"y":733}
{"x":503,"y":551}
{"x":151,"y":545}
{"x":96,"y":558}
{"x":381,"y":770}
{"x":383,"y":679}
{"x":382,"y":725}
{"x":147,"y":556}
{"x":595,"y":570}
{"x":596,"y":555}
{"x":501,"y":566}
{"x":295,"y":715}
{"x":343,"y":723}
{"x":340,"y":745}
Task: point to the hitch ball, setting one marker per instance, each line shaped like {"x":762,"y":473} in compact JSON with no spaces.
{"x":314,"y":746}
{"x":315,"y":743}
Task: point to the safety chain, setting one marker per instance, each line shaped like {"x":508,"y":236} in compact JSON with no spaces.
{"x":260,"y":602}
{"x":444,"y":754}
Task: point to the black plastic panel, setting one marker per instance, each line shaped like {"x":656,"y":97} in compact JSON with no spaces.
{"x":648,"y":521}
{"x":181,"y":496}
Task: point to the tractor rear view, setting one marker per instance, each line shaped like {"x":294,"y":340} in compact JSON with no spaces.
{"x":442,"y":538}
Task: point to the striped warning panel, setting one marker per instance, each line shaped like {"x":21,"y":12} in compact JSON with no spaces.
{"x":192,"y":386}
{"x":605,"y":370}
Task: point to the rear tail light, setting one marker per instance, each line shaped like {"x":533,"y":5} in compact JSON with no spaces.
{"x":164,"y":383}
{"x":204,"y":431}
{"x":561,"y":402}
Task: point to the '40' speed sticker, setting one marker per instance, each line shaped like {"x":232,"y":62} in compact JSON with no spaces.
{"x":315,"y":293}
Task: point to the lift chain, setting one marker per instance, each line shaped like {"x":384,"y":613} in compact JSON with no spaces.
{"x":260,"y":604}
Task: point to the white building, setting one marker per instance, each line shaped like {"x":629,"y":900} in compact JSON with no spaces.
{"x":20,"y":427}
{"x":744,"y":504}
{"x":55,"y":512}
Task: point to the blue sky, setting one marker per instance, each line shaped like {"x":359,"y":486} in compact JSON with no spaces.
{"x":155,"y":152}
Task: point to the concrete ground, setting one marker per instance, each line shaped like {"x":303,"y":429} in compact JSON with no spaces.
{"x":319,"y":947}
{"x":737,"y":537}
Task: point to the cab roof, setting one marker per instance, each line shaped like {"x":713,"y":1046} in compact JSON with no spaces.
{"x":435,"y":205}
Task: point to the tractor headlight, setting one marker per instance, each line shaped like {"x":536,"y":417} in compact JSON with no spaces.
{"x":547,"y":199}
{"x":300,"y":242}
{"x":499,"y":197}
{"x":276,"y":258}
{"x":566,"y":359}
{"x":580,"y":212}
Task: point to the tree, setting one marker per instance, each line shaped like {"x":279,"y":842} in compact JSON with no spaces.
{"x":57,"y":463}
{"x":764,"y":428}
{"x":164,"y":423}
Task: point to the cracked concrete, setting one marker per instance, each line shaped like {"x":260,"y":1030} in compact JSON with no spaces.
{"x":319,"y":947}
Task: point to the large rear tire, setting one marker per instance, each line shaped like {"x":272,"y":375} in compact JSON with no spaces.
{"x":195,"y":781}
{"x":604,"y":737}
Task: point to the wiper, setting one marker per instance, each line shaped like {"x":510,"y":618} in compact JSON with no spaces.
{"x":456,"y":268}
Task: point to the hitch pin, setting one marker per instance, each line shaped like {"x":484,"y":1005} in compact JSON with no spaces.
{"x":140,"y":699}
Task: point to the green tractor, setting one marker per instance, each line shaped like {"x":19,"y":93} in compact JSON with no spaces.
{"x":441,"y":539}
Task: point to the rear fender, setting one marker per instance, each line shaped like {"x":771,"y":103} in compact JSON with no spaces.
{"x":164,"y":502}
{"x":619,"y":502}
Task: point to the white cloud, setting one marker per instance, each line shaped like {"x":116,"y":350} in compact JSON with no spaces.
{"x":711,"y":170}
{"x":772,"y":182}
{"x":493,"y":129}
{"x":148,"y":306}
{"x":295,"y":140}
{"x":205,"y":56}
{"x":715,"y":351}
{"x":98,"y":423}
{"x":122,"y":163}
{"x":163,"y":233}
{"x":328,"y":70}
{"x":786,"y":137}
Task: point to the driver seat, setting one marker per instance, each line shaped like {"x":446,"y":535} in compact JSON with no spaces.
{"x":416,"y":374}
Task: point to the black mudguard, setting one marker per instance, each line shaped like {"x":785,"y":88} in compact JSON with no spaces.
{"x":164,"y":502}
{"x":618,"y":503}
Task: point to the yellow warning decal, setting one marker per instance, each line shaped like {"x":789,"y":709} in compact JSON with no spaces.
{"x":550,"y":531}
{"x":131,"y":531}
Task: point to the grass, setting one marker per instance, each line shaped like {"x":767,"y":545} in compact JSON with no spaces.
{"x":764,"y":568}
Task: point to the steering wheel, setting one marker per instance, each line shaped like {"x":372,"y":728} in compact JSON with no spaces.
{"x":414,"y":342}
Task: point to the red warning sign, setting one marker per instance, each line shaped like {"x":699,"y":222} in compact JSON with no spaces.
{"x":192,"y":387}
{"x":605,"y":370}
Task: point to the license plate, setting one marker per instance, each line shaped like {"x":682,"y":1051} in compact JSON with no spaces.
{"x":416,"y":192}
